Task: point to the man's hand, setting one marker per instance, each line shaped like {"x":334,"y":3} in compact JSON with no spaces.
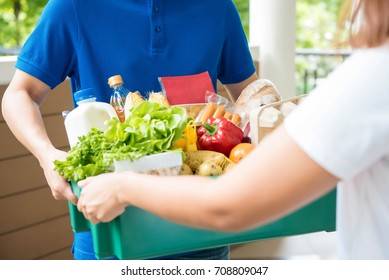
{"x":60,"y":188}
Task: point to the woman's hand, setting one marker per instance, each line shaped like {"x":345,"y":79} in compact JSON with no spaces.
{"x":100,"y":199}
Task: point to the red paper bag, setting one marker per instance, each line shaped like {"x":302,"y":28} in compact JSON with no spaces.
{"x":186,"y":89}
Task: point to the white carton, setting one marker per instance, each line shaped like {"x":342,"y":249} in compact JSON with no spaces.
{"x":167,"y":163}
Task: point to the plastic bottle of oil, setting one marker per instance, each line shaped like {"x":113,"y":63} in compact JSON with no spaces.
{"x":118,"y":95}
{"x":89,"y":114}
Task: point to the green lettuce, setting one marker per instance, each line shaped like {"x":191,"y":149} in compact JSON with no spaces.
{"x":149,"y":129}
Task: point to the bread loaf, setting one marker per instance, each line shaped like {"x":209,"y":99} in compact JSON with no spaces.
{"x":256,"y":94}
{"x":259,"y":92}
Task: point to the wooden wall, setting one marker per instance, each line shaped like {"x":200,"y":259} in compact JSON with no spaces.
{"x":33,"y":225}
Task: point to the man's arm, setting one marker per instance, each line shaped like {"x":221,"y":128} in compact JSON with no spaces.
{"x":20,"y":107}
{"x":234,"y":90}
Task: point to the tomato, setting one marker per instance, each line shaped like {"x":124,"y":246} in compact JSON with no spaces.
{"x":240,"y":151}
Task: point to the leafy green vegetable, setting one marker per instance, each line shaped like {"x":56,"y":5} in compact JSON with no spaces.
{"x":149,"y":129}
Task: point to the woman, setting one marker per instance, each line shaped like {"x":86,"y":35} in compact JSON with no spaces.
{"x":338,"y":136}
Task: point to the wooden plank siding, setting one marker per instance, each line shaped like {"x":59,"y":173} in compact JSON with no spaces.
{"x":33,"y":225}
{"x":37,"y":241}
{"x":19,"y":175}
{"x":29,"y":208}
{"x":12,"y":148}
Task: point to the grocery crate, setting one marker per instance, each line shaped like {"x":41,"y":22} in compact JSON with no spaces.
{"x":138,"y":234}
{"x":265,"y":119}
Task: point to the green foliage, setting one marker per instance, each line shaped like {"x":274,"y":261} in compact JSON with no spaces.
{"x":316,"y":28}
{"x":243,"y":9}
{"x":17,"y":19}
{"x":316,"y":23}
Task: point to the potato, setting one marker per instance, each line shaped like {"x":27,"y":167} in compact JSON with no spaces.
{"x":186,"y":170}
{"x":209,"y":168}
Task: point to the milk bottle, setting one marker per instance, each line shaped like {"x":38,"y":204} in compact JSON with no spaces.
{"x":89,"y":114}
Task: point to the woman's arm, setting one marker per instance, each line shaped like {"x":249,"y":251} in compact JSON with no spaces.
{"x":273,"y":180}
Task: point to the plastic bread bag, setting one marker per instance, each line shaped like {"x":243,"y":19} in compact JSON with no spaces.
{"x":219,"y":100}
{"x":216,"y":106}
{"x":258,"y":93}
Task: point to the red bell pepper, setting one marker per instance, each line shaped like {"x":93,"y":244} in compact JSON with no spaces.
{"x":219,"y":135}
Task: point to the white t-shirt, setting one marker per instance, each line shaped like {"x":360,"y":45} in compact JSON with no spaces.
{"x":344,"y":126}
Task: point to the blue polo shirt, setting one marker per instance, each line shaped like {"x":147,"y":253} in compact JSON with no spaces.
{"x":90,"y":41}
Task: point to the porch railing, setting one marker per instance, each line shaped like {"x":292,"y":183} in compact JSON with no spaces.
{"x":312,"y":66}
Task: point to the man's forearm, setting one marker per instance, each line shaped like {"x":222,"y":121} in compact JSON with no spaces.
{"x":234,"y":90}
{"x":23,"y":117}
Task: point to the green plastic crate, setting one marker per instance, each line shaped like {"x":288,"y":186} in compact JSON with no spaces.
{"x":138,"y":234}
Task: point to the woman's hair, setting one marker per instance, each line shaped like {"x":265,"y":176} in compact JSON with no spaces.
{"x":369,"y":23}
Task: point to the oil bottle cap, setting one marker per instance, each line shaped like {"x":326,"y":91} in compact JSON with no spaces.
{"x":84,"y":94}
{"x":115,"y":80}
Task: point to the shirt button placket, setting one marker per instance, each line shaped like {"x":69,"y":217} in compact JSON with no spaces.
{"x":158,"y":34}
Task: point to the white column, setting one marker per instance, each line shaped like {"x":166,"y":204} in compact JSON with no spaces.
{"x":7,"y":69}
{"x":272,"y":28}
